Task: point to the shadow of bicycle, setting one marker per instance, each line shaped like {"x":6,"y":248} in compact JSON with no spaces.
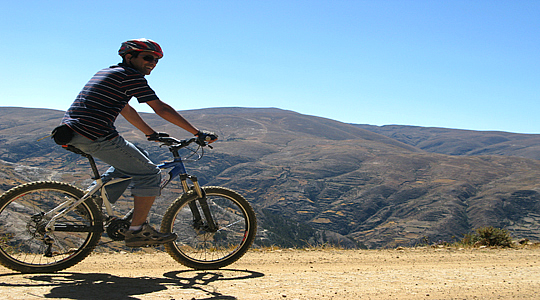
{"x":90,"y":286}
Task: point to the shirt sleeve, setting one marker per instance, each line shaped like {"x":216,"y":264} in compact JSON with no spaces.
{"x":140,"y":89}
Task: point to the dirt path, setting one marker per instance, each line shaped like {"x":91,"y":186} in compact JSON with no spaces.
{"x":294,"y":274}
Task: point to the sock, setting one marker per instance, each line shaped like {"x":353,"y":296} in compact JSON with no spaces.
{"x":135,"y":228}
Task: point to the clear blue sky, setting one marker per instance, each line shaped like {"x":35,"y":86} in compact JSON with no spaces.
{"x":454,"y":64}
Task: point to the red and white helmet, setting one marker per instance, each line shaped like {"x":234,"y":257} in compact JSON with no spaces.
{"x":140,"y":45}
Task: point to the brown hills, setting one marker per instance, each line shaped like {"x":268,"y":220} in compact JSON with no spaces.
{"x":462,"y":142}
{"x":314,"y":180}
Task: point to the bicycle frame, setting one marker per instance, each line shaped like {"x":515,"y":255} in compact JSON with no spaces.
{"x":49,"y":226}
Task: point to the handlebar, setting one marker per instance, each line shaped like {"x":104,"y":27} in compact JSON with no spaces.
{"x":174,"y":143}
{"x":170,"y":141}
{"x":202,"y":138}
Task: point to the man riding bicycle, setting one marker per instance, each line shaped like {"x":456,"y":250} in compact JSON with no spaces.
{"x":92,"y":115}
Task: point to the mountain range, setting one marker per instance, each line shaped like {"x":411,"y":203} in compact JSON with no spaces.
{"x":314,"y":180}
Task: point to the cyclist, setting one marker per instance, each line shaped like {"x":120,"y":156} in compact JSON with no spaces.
{"x":91,"y":118}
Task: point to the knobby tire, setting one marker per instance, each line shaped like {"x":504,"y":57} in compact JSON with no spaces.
{"x":199,"y":248}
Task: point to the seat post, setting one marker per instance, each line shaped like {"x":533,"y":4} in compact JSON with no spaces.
{"x":88,"y":156}
{"x":93,"y":166}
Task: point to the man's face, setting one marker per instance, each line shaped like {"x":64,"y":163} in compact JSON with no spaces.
{"x":145,"y":62}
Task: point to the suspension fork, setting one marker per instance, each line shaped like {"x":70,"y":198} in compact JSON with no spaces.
{"x":201,"y":198}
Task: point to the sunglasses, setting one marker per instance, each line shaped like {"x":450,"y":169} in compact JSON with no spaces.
{"x":150,"y":58}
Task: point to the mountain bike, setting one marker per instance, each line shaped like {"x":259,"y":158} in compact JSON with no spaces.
{"x":48,"y":226}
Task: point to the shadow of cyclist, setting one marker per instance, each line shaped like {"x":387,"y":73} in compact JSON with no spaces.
{"x":92,"y":286}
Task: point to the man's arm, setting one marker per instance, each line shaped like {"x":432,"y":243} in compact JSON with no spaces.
{"x":135,"y":119}
{"x":168,"y":113}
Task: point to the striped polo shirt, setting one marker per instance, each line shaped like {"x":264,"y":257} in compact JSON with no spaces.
{"x":97,"y":106}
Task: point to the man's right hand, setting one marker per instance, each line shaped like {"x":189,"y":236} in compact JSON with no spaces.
{"x":205,"y":137}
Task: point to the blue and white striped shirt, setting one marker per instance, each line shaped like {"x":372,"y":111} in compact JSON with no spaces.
{"x":97,"y":106}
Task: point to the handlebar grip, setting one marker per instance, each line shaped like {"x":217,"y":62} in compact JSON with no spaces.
{"x":205,"y":137}
{"x":156,"y":136}
{"x":168,"y":140}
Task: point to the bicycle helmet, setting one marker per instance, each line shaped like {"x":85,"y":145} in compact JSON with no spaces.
{"x":140,"y":45}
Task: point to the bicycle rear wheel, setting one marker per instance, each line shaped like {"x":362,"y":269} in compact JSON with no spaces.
{"x":200,"y":247}
{"x":24,"y":244}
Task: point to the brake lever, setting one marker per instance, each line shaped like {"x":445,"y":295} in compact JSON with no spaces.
{"x":204,"y":144}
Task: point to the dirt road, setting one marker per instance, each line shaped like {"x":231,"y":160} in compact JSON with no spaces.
{"x":421,"y":273}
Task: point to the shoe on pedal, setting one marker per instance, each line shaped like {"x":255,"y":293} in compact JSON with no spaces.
{"x":147,"y":236}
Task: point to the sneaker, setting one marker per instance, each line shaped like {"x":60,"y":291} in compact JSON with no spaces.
{"x":148,"y":236}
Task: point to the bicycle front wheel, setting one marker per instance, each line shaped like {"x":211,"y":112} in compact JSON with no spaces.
{"x":204,"y":247}
{"x":26,"y":247}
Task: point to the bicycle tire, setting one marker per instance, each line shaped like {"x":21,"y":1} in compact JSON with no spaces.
{"x":204,"y":250}
{"x":22,"y":221}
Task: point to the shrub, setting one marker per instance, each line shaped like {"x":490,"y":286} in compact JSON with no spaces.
{"x":488,"y":236}
{"x":469,"y":239}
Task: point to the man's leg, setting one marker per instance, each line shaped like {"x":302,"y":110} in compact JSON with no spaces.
{"x":141,"y":208}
